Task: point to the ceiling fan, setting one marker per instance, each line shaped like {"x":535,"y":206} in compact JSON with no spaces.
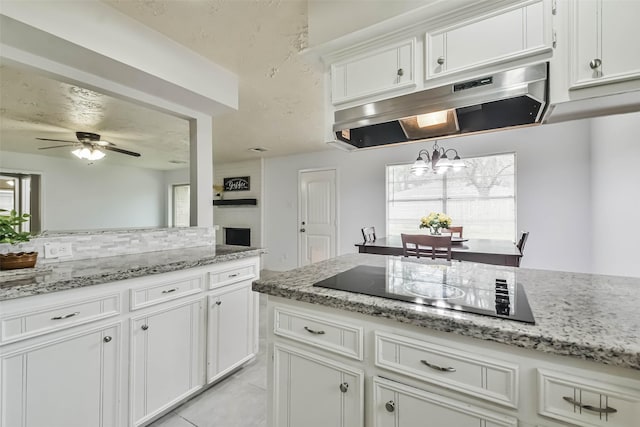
{"x":89,"y":145}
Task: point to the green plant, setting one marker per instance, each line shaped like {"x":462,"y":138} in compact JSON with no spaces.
{"x":10,"y":226}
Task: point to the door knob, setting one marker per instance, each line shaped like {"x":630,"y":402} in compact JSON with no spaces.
{"x":440,"y":60}
{"x":107,"y":339}
{"x":145,"y":327}
{"x":390,"y":406}
{"x":400,"y":72}
{"x":302,"y":230}
{"x":344,"y":387}
{"x":595,"y":63}
{"x":218,"y":302}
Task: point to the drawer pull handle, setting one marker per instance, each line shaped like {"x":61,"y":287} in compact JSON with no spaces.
{"x":440,"y":60}
{"x":595,"y":63}
{"x":344,"y":387}
{"x":312,"y":331}
{"x":400,"y":72}
{"x":144,"y":327}
{"x":607,"y":410}
{"x":66,"y":316}
{"x":168,"y":291}
{"x":390,"y":406}
{"x":218,"y":302}
{"x":233,"y":275}
{"x":438,"y":368}
{"x":107,"y":339}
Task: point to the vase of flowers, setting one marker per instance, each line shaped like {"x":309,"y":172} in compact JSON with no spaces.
{"x":435,"y":221}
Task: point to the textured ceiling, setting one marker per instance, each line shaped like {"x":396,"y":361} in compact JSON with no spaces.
{"x":280,"y":93}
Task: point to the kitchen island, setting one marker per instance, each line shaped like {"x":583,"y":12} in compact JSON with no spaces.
{"x":579,"y":363}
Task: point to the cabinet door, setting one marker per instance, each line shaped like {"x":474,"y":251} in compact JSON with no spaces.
{"x":398,"y":405}
{"x":231,"y":329}
{"x":67,"y":382}
{"x":383,"y":70}
{"x":310,"y":391}
{"x":604,"y":33}
{"x":165,"y":359}
{"x":496,"y":38}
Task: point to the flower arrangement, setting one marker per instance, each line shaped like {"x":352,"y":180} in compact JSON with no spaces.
{"x":435,"y":221}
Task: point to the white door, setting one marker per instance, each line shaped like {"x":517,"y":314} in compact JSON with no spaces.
{"x":317,"y":216}
{"x":231,"y":329}
{"x":311,"y":391}
{"x":165,"y":359}
{"x":67,"y":382}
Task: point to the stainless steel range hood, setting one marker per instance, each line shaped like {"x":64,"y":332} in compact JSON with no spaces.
{"x":505,"y":99}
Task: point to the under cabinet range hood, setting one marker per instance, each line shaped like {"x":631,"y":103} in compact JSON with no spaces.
{"x":504,"y":99}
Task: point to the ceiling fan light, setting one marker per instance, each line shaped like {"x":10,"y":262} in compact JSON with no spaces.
{"x":96,"y":154}
{"x":77,"y":152}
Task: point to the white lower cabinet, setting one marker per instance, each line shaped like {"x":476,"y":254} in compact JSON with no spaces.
{"x":165,"y":351}
{"x":71,"y":381}
{"x":312,"y":391}
{"x":399,"y":405}
{"x":230,"y":329}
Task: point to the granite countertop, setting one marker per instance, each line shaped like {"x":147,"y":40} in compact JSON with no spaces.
{"x":587,"y":316}
{"x":76,"y":274}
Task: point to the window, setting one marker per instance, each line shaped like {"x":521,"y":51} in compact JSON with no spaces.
{"x":181,"y":204}
{"x":21,"y":192}
{"x":481,"y":197}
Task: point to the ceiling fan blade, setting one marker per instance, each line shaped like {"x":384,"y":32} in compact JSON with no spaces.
{"x":57,"y":140}
{"x":120,"y":150}
{"x":56,"y":146}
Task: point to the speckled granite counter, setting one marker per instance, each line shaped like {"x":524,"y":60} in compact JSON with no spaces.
{"x":586,"y":316}
{"x":76,"y":274}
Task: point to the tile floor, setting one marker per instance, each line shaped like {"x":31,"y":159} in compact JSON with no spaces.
{"x":239,"y":400}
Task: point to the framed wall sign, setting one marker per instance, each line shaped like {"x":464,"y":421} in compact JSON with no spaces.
{"x":238,"y":183}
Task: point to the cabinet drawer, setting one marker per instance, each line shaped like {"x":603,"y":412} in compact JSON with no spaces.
{"x":398,"y":405}
{"x":231,"y":275}
{"x":587,"y":402}
{"x":165,"y":291}
{"x":53,"y":318}
{"x":481,"y":377}
{"x":328,"y":334}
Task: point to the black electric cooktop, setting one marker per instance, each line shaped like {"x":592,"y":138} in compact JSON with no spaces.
{"x":468,"y":287}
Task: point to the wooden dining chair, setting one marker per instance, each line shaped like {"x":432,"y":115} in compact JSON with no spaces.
{"x":454,"y":230}
{"x":424,"y":245}
{"x":523,"y":240}
{"x":369,"y":234}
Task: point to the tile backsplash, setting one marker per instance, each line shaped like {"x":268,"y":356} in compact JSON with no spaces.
{"x":107,"y":243}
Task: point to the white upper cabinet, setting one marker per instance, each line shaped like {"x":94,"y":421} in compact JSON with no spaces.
{"x":389,"y":68}
{"x":605,"y":35}
{"x":492,"y":39}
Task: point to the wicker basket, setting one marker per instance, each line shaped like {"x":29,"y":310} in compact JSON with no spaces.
{"x":15,"y":260}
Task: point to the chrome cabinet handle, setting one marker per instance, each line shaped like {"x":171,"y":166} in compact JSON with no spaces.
{"x":595,"y":63}
{"x":107,"y":339}
{"x":233,"y":275}
{"x":438,"y":368}
{"x":168,"y":291}
{"x":145,"y":327}
{"x":344,"y":387}
{"x":607,"y":410}
{"x":390,"y":406}
{"x":312,"y":331}
{"x":66,"y":316}
{"x":440,"y":60}
{"x":400,"y":72}
{"x":218,"y":302}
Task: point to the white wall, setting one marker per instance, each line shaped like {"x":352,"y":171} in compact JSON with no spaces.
{"x":615,"y":177}
{"x":553,"y":192}
{"x":77,"y":196}
{"x":240,"y":216}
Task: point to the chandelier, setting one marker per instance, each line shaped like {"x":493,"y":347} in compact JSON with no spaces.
{"x":438,"y":160}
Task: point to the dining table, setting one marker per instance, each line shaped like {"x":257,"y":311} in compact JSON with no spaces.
{"x":485,"y":251}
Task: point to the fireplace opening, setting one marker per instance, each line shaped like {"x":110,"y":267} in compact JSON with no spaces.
{"x":237,"y":236}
